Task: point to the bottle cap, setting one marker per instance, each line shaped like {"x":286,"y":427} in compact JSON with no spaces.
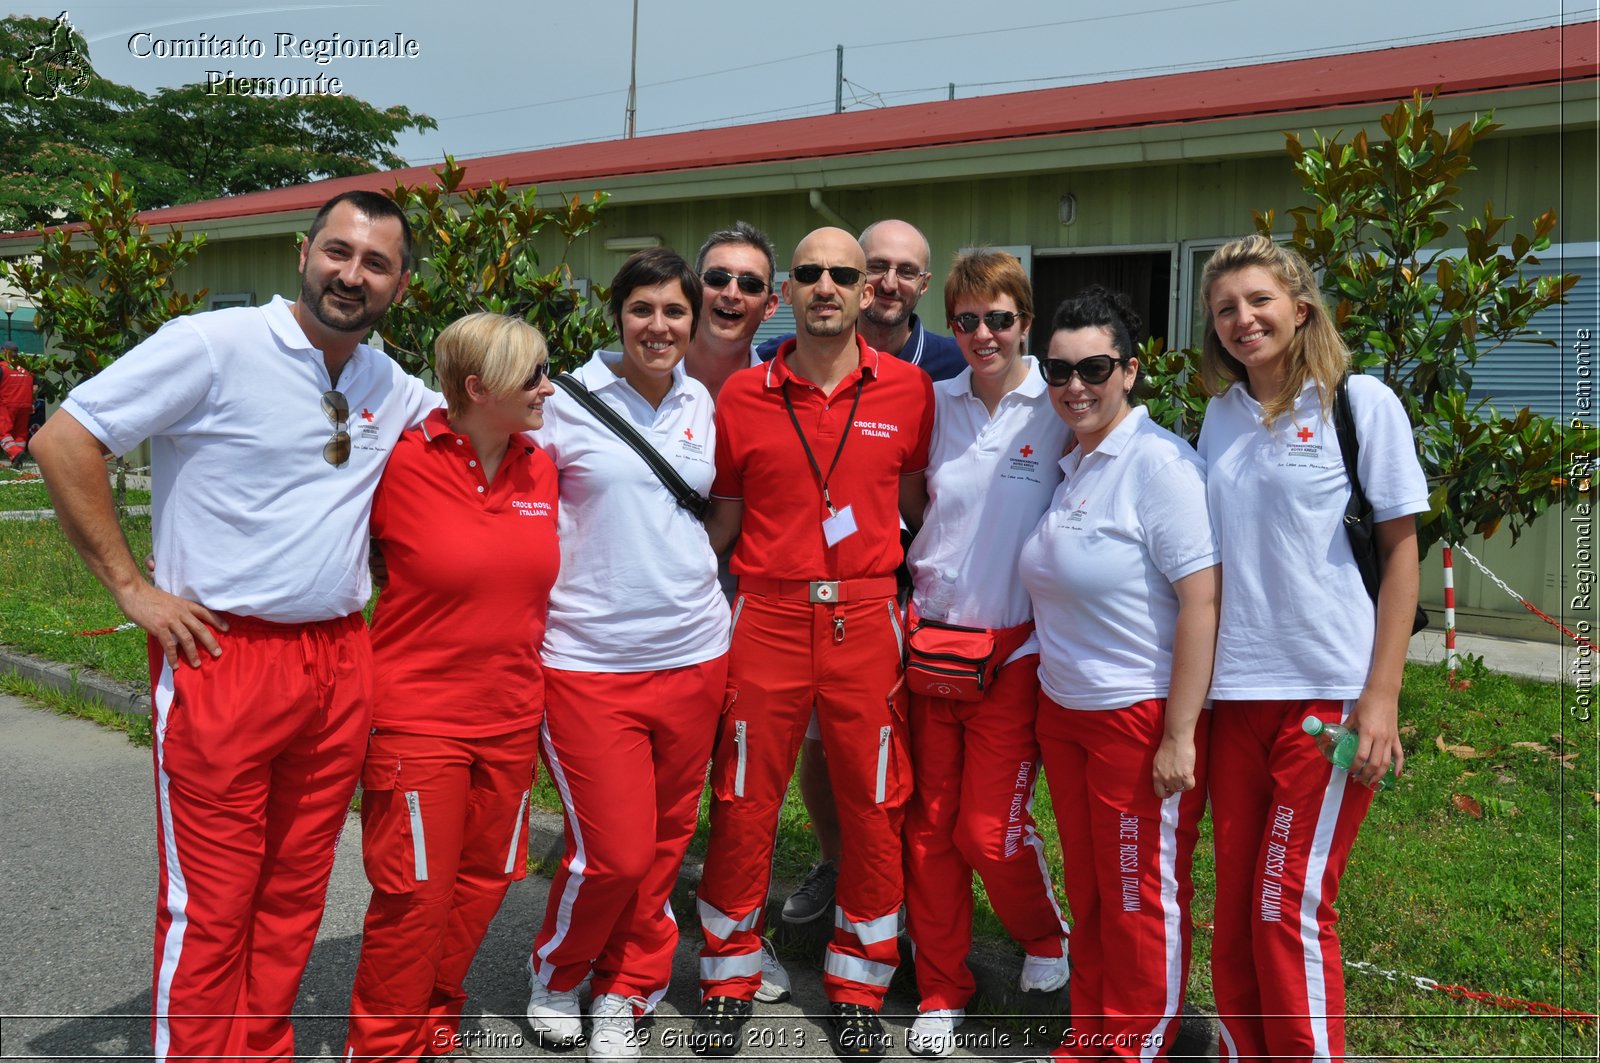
{"x":1311,"y":725}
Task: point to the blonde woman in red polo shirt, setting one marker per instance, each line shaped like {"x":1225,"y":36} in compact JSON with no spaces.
{"x":466,"y":519}
{"x":636,"y":656}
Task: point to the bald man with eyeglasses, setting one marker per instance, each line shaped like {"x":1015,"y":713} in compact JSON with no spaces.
{"x":269,"y":428}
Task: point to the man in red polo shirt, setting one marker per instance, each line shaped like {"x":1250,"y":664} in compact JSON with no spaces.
{"x":811,"y":451}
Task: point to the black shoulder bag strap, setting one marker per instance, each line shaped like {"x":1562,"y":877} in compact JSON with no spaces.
{"x":687,"y":497}
{"x":1358,"y":522}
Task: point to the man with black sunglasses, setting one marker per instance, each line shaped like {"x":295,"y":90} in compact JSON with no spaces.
{"x":813,"y":449}
{"x":736,"y":267}
{"x":897,"y":268}
{"x":269,"y":428}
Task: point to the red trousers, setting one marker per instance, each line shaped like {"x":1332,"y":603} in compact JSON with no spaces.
{"x":1284,"y":821}
{"x":443,"y":835}
{"x":975,"y":763}
{"x":628,"y":752}
{"x":786,"y":657}
{"x":257,"y":753}
{"x":14,"y":429}
{"x":1126,"y":859}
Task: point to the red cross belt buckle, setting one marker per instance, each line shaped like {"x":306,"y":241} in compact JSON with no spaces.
{"x":824,"y":590}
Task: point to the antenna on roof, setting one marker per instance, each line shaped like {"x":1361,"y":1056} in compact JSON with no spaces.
{"x":633,"y":78}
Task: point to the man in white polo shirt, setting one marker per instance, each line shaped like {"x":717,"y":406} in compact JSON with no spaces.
{"x":269,"y":428}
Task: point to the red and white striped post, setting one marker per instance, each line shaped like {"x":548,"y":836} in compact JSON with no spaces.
{"x":1449,"y":612}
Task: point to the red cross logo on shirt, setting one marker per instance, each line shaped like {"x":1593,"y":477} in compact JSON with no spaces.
{"x":366,"y":414}
{"x":1026,"y":451}
{"x":688,"y":433}
{"x":1304,"y":434}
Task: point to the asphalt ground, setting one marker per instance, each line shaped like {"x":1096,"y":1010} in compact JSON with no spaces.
{"x":77,"y":888}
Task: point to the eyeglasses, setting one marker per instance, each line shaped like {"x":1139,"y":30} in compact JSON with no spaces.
{"x":336,"y":408}
{"x":718,"y":279}
{"x":905,"y":271}
{"x":811,"y":273}
{"x":540,"y":371}
{"x":997,"y":320}
{"x":1095,"y":369}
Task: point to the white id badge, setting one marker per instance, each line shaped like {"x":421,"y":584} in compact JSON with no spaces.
{"x":839,"y":527}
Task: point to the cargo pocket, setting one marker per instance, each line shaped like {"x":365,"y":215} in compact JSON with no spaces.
{"x":892,"y":780}
{"x":731,"y":759}
{"x":392,"y":847}
{"x":517,"y":853}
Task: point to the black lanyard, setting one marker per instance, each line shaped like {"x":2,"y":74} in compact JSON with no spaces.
{"x":812,"y":458}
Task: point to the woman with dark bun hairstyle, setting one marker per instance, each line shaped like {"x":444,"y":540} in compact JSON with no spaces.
{"x":1122,"y":570}
{"x":1299,"y":637}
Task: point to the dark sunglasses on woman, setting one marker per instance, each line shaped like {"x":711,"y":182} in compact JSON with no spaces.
{"x":997,"y":320}
{"x":1095,"y":369}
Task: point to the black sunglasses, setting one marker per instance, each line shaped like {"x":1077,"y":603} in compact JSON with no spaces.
{"x":997,"y":320}
{"x":811,"y":273}
{"x":719,"y":278}
{"x":540,"y":371}
{"x":336,"y":408}
{"x":1095,"y":369}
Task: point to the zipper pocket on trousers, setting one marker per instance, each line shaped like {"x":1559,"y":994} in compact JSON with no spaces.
{"x":738,"y":770}
{"x":894,"y":622}
{"x":733,"y":625}
{"x":419,"y":844}
{"x":884,"y":734}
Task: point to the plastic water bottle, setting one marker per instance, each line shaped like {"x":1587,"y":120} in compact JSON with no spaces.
{"x":1338,"y":744}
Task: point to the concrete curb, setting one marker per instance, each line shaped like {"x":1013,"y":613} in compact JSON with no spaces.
{"x":78,"y":680}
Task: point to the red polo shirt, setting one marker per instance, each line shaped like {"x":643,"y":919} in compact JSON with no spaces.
{"x":760,"y":460}
{"x":457,"y":629}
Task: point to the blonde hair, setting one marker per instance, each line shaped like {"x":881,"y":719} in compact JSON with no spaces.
{"x":1315,"y":352}
{"x":502,"y":352}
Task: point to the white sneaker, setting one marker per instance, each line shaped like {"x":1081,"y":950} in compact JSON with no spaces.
{"x":1045,"y":974}
{"x":611,"y":1028}
{"x":934,"y":1032}
{"x":774,"y":979}
{"x":555,"y":1017}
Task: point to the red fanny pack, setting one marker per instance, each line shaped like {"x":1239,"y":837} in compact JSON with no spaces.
{"x":957,"y":663}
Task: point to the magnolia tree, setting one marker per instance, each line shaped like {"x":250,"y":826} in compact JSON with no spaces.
{"x":1420,"y":292}
{"x":100,"y":286}
{"x":476,"y":254}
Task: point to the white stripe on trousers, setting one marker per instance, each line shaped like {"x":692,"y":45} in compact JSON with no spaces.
{"x":575,"y":868}
{"x":1172,"y":925}
{"x":176,"y":899}
{"x":1311,"y":900}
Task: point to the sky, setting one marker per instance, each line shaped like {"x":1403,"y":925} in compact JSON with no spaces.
{"x":511,"y":75}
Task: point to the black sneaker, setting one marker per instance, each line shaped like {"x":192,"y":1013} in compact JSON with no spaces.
{"x":858,"y":1033}
{"x":716,"y":1031}
{"x":814,"y":898}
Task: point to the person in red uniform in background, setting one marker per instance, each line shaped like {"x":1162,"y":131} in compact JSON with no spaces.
{"x":465,"y":517}
{"x":16,"y":404}
{"x":813,"y":449}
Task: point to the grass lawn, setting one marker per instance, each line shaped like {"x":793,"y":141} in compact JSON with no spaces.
{"x":1478,"y":870}
{"x":31,"y":494}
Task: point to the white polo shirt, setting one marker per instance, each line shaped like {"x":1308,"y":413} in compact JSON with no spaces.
{"x":246,"y":515}
{"x":1296,"y":620}
{"x":1128,"y":521}
{"x":638,"y":585}
{"x":989,"y":480}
